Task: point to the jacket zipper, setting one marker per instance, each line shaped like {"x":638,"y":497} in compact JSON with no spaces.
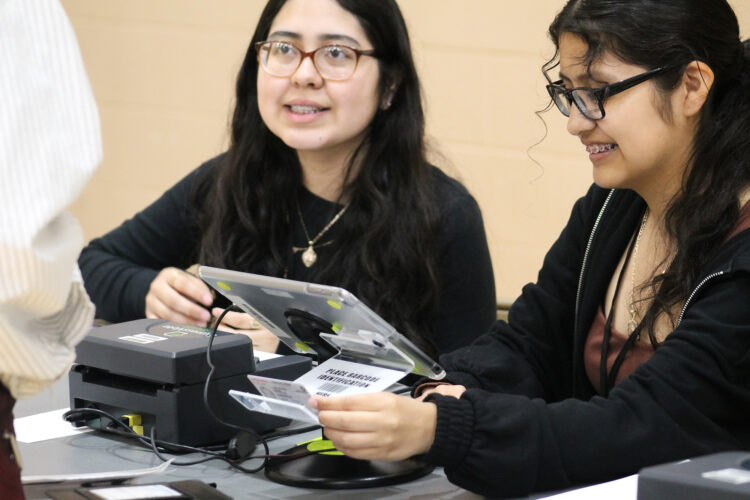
{"x":585,"y":258}
{"x":695,"y":291}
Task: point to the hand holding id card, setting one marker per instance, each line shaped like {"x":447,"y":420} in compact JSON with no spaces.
{"x":335,"y":377}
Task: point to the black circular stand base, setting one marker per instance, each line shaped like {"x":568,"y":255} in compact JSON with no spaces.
{"x":323,"y":471}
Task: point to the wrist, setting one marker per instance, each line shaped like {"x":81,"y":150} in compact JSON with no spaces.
{"x":427,"y":424}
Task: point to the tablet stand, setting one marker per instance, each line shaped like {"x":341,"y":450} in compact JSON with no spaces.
{"x":332,"y":469}
{"x":308,"y":328}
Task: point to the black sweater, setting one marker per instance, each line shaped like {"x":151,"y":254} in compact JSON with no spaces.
{"x":119,"y":267}
{"x":530,"y":419}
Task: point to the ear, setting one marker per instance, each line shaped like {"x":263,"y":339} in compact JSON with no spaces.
{"x":697,"y":81}
{"x":387,"y":99}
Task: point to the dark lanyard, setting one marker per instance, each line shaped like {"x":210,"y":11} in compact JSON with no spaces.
{"x":607,"y":381}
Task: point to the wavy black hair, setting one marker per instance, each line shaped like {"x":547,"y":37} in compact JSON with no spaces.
{"x":656,"y":33}
{"x":385,"y":249}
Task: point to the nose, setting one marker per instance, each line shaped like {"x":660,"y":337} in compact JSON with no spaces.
{"x":577,"y":123}
{"x":307,"y":74}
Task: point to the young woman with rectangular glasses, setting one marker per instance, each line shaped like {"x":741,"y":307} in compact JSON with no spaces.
{"x":633,"y":346}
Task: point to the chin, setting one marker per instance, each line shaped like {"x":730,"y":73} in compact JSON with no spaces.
{"x":605,"y":185}
{"x":608,"y":178}
{"x":304,"y":143}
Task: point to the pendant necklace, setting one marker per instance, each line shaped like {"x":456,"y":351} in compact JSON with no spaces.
{"x":309,"y":256}
{"x":632,"y":323}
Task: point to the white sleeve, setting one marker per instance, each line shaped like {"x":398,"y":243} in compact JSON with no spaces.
{"x":49,"y":146}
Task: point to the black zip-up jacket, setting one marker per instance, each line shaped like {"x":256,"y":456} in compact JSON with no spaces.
{"x":530,"y":419}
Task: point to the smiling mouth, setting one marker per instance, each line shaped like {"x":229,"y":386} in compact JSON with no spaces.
{"x":600,"y":148}
{"x":305,"y":110}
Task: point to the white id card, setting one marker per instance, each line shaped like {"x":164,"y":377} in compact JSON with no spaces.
{"x":272,"y":406}
{"x":335,"y":377}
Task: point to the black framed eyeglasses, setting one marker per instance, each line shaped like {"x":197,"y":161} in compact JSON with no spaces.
{"x":589,"y":101}
{"x":333,"y":62}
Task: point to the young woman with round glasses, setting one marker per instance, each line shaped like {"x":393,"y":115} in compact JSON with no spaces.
{"x":633,"y":347}
{"x":325,"y":180}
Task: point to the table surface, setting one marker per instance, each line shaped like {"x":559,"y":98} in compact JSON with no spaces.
{"x":96,"y":452}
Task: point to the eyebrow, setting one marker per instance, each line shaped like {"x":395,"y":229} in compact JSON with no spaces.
{"x":563,"y":77}
{"x":326,"y":37}
{"x":586,"y":77}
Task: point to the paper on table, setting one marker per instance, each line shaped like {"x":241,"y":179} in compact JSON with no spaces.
{"x":625,"y":488}
{"x":42,"y":426}
{"x":95,"y":476}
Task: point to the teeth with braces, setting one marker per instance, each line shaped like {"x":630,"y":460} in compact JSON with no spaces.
{"x":600,"y":148}
{"x":305,"y":110}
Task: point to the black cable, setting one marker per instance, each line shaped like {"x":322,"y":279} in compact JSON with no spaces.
{"x":289,"y":432}
{"x":212,"y":455}
{"x":167,"y":447}
{"x":211,"y":370}
{"x":159,"y":447}
{"x":236,"y":464}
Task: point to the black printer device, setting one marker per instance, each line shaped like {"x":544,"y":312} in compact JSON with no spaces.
{"x":151,"y":373}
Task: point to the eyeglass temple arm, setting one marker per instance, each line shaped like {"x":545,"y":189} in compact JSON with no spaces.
{"x":618,"y":87}
{"x":548,"y":66}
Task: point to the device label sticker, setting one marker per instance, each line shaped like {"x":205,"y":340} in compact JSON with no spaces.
{"x":730,"y":475}
{"x":173,"y":330}
{"x":142,"y":338}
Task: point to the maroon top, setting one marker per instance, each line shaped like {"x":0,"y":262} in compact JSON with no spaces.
{"x":592,"y":352}
{"x":641,"y":350}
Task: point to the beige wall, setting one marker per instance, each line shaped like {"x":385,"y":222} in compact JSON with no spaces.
{"x":163,"y":71}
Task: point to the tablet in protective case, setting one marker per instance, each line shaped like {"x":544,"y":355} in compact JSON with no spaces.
{"x":354,"y":329}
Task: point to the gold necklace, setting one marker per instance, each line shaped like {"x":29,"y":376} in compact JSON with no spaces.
{"x":632,"y":323}
{"x":309,"y":256}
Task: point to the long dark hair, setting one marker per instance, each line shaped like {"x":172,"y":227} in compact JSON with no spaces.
{"x":385,"y":248}
{"x":656,"y":33}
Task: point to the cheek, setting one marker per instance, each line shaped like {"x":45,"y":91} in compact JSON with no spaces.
{"x":641,"y":126}
{"x":650,"y":138}
{"x":362,"y":92}
{"x":268,"y":94}
{"x":361,"y":103}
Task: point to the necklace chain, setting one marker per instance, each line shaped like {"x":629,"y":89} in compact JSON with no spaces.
{"x":632,"y":323}
{"x":309,"y":256}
